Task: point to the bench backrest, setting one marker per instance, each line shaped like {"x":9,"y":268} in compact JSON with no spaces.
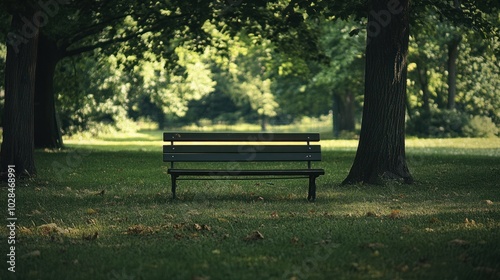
{"x":248,"y":147}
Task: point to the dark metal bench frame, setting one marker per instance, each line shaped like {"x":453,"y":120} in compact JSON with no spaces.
{"x":249,"y":147}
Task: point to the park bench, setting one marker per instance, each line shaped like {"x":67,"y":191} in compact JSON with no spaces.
{"x":242,"y":152}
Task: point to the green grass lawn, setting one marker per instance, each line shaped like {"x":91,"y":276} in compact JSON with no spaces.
{"x":102,"y":210}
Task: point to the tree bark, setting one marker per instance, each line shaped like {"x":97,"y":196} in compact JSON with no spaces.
{"x":343,"y":113}
{"x":381,"y":149}
{"x":263,"y":122}
{"x":452,"y":64}
{"x":47,"y":128}
{"x":452,"y":70}
{"x":18,"y":120}
{"x":425,"y":122}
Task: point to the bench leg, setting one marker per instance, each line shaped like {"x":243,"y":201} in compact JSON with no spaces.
{"x":174,"y":185}
{"x":312,"y":189}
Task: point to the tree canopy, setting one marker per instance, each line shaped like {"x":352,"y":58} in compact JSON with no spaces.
{"x":273,"y":58}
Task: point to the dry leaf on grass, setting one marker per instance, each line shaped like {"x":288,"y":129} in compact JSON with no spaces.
{"x":459,"y":242}
{"x":434,"y":220}
{"x":372,"y":214}
{"x":140,"y":230}
{"x":395,"y":214}
{"x":488,"y":202}
{"x":376,"y":245}
{"x":200,"y":278}
{"x":32,"y":254}
{"x":485,"y":269}
{"x":254,"y":236}
{"x":199,"y":227}
{"x":90,"y":236}
{"x":470,"y":222}
{"x":48,"y":229}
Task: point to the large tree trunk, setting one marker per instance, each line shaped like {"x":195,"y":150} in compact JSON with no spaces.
{"x":426,"y":107}
{"x":452,"y":70}
{"x":381,"y":150}
{"x":47,"y":128}
{"x":343,"y":113}
{"x":18,"y":120}
{"x":452,"y":64}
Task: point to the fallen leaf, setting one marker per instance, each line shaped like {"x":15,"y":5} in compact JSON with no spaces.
{"x":403,"y":268}
{"x":395,"y":214}
{"x":47,"y":229}
{"x":274,"y":215}
{"x":254,"y":236}
{"x":459,"y":242}
{"x":197,"y":227}
{"x":200,"y":278}
{"x":375,"y":245}
{"x":24,"y":230}
{"x":488,"y":202}
{"x":469,"y":223}
{"x":434,"y":220}
{"x":140,"y":230}
{"x":371,"y":214}
{"x":178,"y":236}
{"x":464,"y":257}
{"x":91,"y":211}
{"x":168,"y":216}
{"x":32,"y":254}
{"x":90,"y":236}
{"x":485,"y":269}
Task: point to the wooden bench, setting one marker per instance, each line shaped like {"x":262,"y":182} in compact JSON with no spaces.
{"x":240,"y":149}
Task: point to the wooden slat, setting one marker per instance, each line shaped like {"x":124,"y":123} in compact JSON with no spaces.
{"x":239,"y":157}
{"x":244,"y":149}
{"x":251,"y":137}
{"x":218,"y":172}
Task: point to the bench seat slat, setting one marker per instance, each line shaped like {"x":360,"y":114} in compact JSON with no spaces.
{"x":251,"y":137}
{"x":239,"y":157}
{"x":244,"y":149}
{"x":268,"y":172}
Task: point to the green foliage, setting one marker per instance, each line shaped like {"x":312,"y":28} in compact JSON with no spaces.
{"x":440,"y":124}
{"x":481,"y":126}
{"x":451,"y":123}
{"x":92,"y":102}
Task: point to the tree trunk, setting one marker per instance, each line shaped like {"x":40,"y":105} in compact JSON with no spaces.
{"x":381,"y":150}
{"x":18,"y":120}
{"x":452,"y":70}
{"x":47,"y":128}
{"x":426,"y":108}
{"x":452,"y":64}
{"x":343,"y":113}
{"x":263,"y":123}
